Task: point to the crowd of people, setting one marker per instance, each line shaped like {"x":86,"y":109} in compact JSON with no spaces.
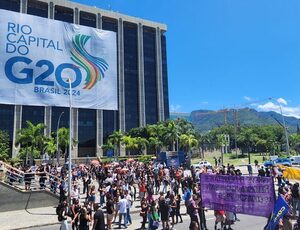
{"x":104,"y":194}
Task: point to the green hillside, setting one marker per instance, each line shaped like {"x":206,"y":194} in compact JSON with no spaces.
{"x":205,"y":120}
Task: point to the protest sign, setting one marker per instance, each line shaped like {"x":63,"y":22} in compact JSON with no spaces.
{"x":251,"y":195}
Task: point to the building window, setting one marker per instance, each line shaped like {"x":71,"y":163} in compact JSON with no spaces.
{"x":64,"y":118}
{"x":34,"y":114}
{"x":7,"y":114}
{"x":86,"y":132}
{"x":131,"y":76}
{"x":13,"y":5}
{"x":87,"y":19}
{"x":150,"y":75}
{"x":165,"y":76}
{"x":64,"y":14}
{"x":110,"y":118}
{"x":37,"y":8}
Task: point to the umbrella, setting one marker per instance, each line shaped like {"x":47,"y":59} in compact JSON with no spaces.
{"x":95,"y":162}
{"x":130,"y":160}
{"x":124,"y":170}
{"x":107,"y":166}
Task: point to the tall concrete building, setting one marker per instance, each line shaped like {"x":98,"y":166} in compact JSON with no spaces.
{"x":142,"y":77}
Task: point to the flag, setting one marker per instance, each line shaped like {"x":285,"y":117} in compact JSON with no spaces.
{"x":280,"y":209}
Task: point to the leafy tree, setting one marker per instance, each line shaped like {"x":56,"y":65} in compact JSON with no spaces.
{"x":32,"y":136}
{"x":4,"y":145}
{"x":188,"y":141}
{"x":63,"y":140}
{"x":116,"y":138}
{"x":50,"y":147}
{"x":155,"y":143}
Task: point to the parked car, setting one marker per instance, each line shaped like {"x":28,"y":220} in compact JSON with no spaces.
{"x":204,"y":163}
{"x":278,"y":161}
{"x":295,"y":160}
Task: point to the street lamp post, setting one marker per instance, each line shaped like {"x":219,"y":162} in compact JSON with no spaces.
{"x":285,"y":132}
{"x":70,"y":144}
{"x":285,"y":129}
{"x":57,"y":144}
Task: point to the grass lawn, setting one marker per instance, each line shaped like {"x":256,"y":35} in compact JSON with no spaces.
{"x":230,"y":158}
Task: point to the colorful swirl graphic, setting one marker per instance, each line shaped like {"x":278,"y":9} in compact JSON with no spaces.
{"x":94,"y":66}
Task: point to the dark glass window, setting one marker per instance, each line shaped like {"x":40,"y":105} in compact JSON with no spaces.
{"x":86,"y":132}
{"x":131,"y":76}
{"x":109,"y":123}
{"x":64,"y":119}
{"x":35,"y":114}
{"x":165,"y":76}
{"x":110,"y":118}
{"x":87,"y":19}
{"x":7,"y":122}
{"x":150,"y":75}
{"x":64,"y":14}
{"x":37,"y":8}
{"x":13,"y":5}
{"x":110,"y":24}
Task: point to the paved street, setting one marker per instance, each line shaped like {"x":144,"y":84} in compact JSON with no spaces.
{"x":245,"y":223}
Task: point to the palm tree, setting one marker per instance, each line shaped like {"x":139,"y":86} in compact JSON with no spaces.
{"x":171,"y":134}
{"x":188,"y":141}
{"x":33,"y":137}
{"x":116,"y":138}
{"x":141,"y":143}
{"x":23,"y":139}
{"x":50,"y":147}
{"x":130,"y":143}
{"x":63,"y":139}
{"x":155,"y":143}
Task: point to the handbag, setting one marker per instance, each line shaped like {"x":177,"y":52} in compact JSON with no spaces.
{"x":156,"y":224}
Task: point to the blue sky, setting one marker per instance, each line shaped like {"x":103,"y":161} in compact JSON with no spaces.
{"x":225,"y":53}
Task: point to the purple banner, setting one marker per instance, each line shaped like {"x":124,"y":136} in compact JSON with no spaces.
{"x":250,"y":195}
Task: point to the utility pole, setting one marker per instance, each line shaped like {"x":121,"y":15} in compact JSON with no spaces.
{"x":235,"y":130}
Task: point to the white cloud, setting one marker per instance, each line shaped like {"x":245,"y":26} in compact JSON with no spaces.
{"x":175,"y":108}
{"x":282,"y":101}
{"x":286,"y":110}
{"x":247,"y":98}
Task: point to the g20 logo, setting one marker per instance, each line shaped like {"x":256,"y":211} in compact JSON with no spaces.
{"x":41,"y":79}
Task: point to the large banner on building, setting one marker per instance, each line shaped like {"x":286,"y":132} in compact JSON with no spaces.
{"x":251,"y":195}
{"x":39,"y":56}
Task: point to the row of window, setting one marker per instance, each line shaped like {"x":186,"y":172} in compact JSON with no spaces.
{"x":86,"y":117}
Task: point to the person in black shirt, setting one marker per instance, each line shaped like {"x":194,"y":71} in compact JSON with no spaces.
{"x":110,"y":210}
{"x":99,"y":223}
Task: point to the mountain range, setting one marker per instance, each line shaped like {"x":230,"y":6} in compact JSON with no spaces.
{"x":205,"y":120}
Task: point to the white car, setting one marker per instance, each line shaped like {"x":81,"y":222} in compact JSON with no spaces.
{"x":204,"y":163}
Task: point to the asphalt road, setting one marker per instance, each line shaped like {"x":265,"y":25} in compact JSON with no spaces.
{"x":246,"y":223}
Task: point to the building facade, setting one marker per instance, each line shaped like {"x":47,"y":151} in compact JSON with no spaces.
{"x":142,"y":78}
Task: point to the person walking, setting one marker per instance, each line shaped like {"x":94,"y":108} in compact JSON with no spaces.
{"x":75,"y":209}
{"x":164,"y":212}
{"x":129,"y":204}
{"x":63,"y":216}
{"x":110,"y":209}
{"x":84,"y":219}
{"x":143,"y":213}
{"x":123,"y":203}
{"x":99,"y":222}
{"x":178,"y":200}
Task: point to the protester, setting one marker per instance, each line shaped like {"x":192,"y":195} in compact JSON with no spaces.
{"x":99,"y":223}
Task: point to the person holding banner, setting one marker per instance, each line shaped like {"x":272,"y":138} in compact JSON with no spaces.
{"x":219,"y":214}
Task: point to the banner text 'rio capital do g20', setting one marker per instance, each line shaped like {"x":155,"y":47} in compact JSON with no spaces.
{"x":39,"y":56}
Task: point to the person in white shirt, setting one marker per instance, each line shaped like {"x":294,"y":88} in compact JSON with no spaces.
{"x":129,"y":204}
{"x":123,"y":204}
